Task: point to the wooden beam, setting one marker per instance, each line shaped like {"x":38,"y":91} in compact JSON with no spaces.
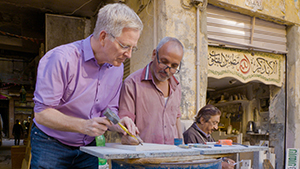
{"x":6,"y":40}
{"x":172,"y":159}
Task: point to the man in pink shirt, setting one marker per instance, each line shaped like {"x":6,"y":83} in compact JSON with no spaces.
{"x":151,"y":96}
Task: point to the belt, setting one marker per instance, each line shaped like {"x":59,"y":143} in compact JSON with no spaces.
{"x":71,"y":147}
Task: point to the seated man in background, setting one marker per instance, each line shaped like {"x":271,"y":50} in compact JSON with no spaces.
{"x":206,"y":121}
{"x":151,"y":96}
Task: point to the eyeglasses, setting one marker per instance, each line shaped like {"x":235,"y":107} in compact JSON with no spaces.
{"x":125,"y":47}
{"x":214,"y":123}
{"x":164,"y":66}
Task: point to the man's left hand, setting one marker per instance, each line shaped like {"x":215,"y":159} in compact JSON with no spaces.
{"x":129,"y":124}
{"x":128,"y":140}
{"x":228,"y":164}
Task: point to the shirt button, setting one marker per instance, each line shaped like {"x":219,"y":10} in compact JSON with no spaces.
{"x":165,"y":126}
{"x":96,"y":100}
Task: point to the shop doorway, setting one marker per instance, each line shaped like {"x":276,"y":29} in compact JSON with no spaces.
{"x":244,"y":107}
{"x":4,"y":114}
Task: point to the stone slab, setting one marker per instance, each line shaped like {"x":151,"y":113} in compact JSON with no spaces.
{"x":119,"y":153}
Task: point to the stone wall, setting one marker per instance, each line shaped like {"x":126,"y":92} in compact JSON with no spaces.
{"x":170,"y":18}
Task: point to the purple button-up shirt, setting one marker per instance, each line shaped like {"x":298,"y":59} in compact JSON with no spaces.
{"x":70,"y":80}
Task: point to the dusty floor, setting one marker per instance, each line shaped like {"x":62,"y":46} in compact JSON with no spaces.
{"x":5,"y":153}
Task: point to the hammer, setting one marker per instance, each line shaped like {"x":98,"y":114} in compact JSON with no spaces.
{"x":110,"y":115}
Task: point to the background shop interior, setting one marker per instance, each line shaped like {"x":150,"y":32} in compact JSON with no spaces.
{"x":245,"y":109}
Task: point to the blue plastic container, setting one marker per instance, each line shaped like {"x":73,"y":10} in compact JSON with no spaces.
{"x":177,"y":141}
{"x":201,"y":164}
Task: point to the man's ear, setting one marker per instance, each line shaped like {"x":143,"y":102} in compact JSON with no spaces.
{"x":201,"y":120}
{"x":102,"y":37}
{"x":153,"y":54}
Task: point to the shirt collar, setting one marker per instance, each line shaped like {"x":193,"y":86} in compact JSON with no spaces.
{"x":146,"y":75}
{"x":88,"y":53}
{"x":202,"y":132}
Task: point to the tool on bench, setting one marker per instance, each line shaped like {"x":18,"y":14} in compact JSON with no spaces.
{"x":220,"y":143}
{"x":200,"y":146}
{"x":227,"y":142}
{"x":184,"y":146}
{"x":116,"y":120}
{"x":210,"y":143}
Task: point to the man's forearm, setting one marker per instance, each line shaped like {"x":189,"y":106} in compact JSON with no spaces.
{"x":54,"y":119}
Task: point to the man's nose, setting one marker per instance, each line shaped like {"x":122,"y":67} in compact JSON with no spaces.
{"x":128,"y":54}
{"x":167,"y":69}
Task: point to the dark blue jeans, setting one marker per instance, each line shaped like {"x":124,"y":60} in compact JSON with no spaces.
{"x":48,"y":153}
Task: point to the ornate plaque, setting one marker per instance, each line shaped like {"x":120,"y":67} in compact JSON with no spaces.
{"x":245,"y":66}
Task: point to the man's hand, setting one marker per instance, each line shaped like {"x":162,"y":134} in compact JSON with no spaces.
{"x":128,"y":140}
{"x":129,"y":124}
{"x":228,"y":164}
{"x":96,"y":126}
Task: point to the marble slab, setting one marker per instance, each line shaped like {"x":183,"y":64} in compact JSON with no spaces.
{"x":119,"y":153}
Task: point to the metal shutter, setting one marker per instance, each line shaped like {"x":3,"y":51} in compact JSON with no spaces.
{"x":126,"y":68}
{"x":229,"y":29}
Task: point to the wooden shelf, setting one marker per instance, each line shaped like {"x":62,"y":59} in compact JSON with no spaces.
{"x":257,"y":134}
{"x":23,"y":110}
{"x":230,"y":102}
{"x":26,"y":107}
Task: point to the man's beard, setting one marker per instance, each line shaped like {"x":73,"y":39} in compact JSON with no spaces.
{"x":157,"y":75}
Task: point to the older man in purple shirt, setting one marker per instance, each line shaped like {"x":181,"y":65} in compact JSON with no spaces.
{"x":76,"y":82}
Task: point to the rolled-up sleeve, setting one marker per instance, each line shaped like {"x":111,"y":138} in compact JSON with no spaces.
{"x":51,"y":80}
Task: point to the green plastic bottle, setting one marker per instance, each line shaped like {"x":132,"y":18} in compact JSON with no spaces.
{"x":100,"y":141}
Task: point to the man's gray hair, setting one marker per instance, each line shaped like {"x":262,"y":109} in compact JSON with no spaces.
{"x":112,"y":18}
{"x":168,"y":39}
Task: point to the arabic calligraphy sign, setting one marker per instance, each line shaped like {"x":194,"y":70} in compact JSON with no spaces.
{"x":242,"y":65}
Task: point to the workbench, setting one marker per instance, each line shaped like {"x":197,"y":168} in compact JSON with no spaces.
{"x":171,"y":155}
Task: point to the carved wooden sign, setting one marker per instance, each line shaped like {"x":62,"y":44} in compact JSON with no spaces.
{"x":264,"y":67}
